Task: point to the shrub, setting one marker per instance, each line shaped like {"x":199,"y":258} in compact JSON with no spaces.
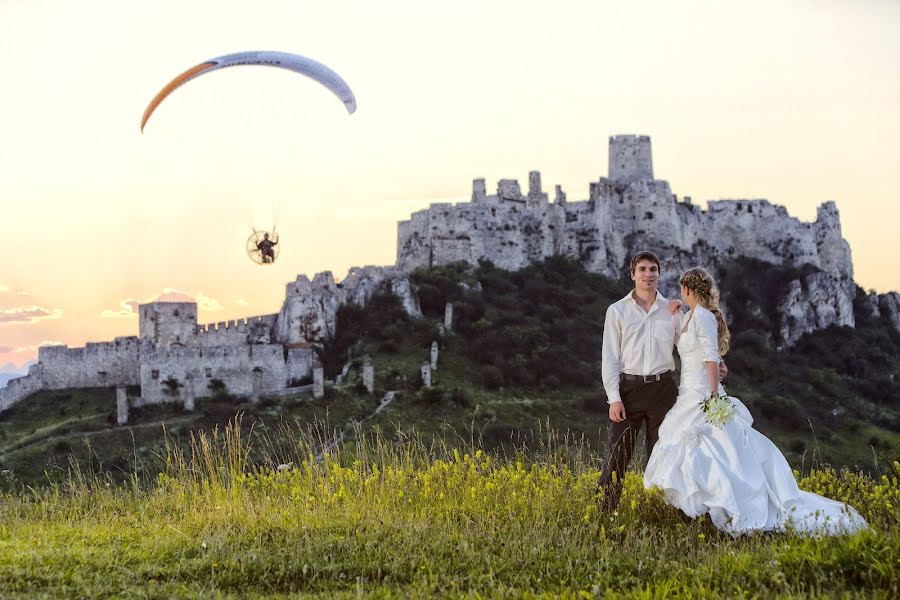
{"x":431,"y":395}
{"x":171,"y":387}
{"x":217,"y":388}
{"x":461,"y":397}
{"x":491,"y":377}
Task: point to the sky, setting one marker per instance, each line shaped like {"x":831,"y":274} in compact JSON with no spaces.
{"x":791,"y":100}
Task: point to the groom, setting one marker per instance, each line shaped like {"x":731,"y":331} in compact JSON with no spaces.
{"x":638,"y":369}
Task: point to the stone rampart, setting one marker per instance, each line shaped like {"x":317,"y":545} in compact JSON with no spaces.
{"x":238,"y":332}
{"x":20,"y":388}
{"x":95,"y":365}
{"x":247,"y":371}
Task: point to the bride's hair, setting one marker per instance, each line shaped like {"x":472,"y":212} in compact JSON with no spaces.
{"x":700,"y":282}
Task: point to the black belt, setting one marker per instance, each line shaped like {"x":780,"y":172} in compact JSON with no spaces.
{"x":647,"y":378}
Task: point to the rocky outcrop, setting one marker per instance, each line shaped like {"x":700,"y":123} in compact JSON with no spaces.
{"x":814,"y":302}
{"x":889,"y":308}
{"x":309,"y":312}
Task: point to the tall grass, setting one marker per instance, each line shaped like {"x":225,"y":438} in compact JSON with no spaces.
{"x":238,"y":515}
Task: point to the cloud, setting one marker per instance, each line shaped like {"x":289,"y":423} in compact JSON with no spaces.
{"x":5,"y":349}
{"x":29,"y":314}
{"x":242,"y":302}
{"x":207,"y":303}
{"x":129,"y":306}
{"x":36,"y":346}
{"x":10,"y":297}
{"x":172,"y":295}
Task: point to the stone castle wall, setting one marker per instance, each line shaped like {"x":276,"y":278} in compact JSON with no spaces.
{"x":95,"y":365}
{"x":238,"y":332}
{"x":246,"y":371}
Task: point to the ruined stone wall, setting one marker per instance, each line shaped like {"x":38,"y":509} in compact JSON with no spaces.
{"x":60,"y":367}
{"x":246,"y":371}
{"x":628,"y":212}
{"x":20,"y":388}
{"x":238,"y":332}
{"x":94,"y":365}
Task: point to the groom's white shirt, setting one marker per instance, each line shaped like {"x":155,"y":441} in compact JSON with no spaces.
{"x":637,"y":342}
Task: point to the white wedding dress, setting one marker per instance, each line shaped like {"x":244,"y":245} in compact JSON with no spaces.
{"x":732,"y":472}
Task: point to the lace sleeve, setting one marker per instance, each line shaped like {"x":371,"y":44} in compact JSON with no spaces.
{"x":707,"y":334}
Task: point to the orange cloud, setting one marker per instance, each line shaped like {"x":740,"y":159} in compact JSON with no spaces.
{"x":29,"y":314}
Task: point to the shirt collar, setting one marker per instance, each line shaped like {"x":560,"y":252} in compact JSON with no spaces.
{"x":659,"y":296}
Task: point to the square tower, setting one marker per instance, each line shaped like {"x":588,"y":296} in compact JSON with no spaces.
{"x":630,"y":158}
{"x":167,"y":324}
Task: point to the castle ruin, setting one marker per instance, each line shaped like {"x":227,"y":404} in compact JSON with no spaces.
{"x":173,"y":359}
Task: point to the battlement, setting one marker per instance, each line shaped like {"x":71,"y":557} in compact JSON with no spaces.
{"x":242,"y":325}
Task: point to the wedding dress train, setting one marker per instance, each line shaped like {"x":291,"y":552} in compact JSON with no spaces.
{"x":733,"y":472}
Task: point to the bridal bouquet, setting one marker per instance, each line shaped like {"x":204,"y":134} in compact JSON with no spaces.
{"x":718,"y":410}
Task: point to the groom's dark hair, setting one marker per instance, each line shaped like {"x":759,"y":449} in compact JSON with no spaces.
{"x":644,"y":255}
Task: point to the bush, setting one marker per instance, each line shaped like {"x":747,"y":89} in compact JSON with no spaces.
{"x":461,"y":397}
{"x":217,"y":388}
{"x":431,"y":395}
{"x":491,"y":377}
{"x":171,"y":386}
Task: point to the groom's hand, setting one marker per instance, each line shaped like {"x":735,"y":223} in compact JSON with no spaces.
{"x":723,"y":370}
{"x":617,"y":412}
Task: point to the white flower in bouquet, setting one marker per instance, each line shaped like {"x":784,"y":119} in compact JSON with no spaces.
{"x":719,"y":410}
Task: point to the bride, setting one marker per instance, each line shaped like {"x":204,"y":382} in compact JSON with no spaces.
{"x":710,"y":460}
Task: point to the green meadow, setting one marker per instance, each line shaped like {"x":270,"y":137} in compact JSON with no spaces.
{"x":402,"y":518}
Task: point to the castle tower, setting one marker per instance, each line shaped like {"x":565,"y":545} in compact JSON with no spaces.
{"x":630,"y":158}
{"x":165,"y":324}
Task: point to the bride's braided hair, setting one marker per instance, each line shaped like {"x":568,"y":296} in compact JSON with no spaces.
{"x":700,"y":282}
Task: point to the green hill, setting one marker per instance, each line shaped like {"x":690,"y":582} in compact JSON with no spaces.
{"x":522,"y":361}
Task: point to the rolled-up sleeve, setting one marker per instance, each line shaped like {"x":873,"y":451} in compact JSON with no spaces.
{"x":611,"y":358}
{"x":707,"y":334}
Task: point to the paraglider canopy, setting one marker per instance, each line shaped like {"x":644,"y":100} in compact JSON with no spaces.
{"x":284,"y":60}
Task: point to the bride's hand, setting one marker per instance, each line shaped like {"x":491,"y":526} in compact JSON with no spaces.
{"x":675,"y":306}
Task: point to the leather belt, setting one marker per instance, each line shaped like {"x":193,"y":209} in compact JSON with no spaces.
{"x":647,"y":378}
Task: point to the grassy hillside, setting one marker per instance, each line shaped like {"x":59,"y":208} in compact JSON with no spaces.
{"x":523,"y":359}
{"x":385,"y":519}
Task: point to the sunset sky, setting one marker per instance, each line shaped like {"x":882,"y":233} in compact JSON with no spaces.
{"x":795,"y":101}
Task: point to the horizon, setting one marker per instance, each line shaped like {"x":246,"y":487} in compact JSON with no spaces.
{"x":794,"y":103}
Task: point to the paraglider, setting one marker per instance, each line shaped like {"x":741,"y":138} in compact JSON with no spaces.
{"x":262,"y":247}
{"x":284,"y":60}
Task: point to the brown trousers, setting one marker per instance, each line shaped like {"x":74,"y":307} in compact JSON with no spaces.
{"x":644,"y":403}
